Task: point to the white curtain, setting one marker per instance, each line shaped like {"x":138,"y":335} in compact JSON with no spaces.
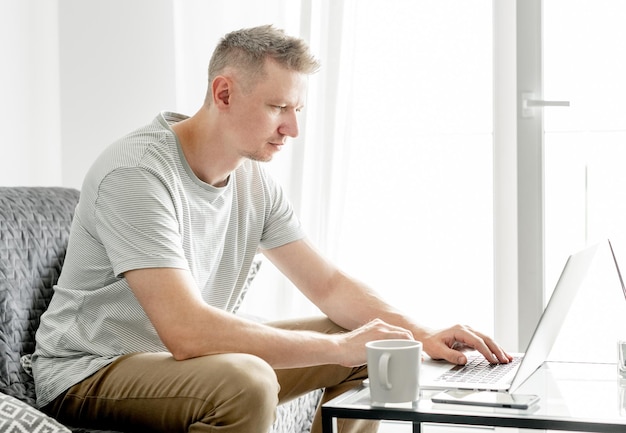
{"x":407,"y":205}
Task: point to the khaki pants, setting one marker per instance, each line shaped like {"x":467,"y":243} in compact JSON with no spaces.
{"x":218,"y":393}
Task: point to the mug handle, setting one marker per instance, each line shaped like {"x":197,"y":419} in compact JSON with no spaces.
{"x":383,"y":371}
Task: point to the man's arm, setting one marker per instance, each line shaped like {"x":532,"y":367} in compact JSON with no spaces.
{"x":351,"y":304}
{"x":189,"y":328}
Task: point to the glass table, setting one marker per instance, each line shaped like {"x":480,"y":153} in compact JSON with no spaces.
{"x":581,"y":397}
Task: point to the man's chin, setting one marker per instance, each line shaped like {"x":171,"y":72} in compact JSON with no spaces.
{"x":259,"y":158}
{"x":264,"y":156}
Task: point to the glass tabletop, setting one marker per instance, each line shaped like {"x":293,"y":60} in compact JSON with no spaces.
{"x":573,"y":396}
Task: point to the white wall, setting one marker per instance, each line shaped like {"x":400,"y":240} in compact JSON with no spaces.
{"x":81,"y":73}
{"x":29,"y":94}
{"x":116,"y":73}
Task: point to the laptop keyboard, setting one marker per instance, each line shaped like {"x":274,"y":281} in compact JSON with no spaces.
{"x":478,"y":370}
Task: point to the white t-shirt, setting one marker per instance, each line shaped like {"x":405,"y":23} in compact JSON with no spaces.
{"x":141,"y":206}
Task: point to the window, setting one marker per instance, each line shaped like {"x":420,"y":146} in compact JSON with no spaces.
{"x":585,"y":144}
{"x":585,"y":150}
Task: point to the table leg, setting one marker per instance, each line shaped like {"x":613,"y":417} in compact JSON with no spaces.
{"x":417,"y":427}
{"x":328,"y":424}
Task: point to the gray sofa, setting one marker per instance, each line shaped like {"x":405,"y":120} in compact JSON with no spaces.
{"x":34,"y":230}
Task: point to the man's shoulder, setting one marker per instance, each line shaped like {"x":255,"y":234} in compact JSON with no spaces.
{"x":156,"y":136}
{"x":149,"y":146}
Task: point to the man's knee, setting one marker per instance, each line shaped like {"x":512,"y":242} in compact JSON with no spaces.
{"x":255,"y":376}
{"x":247,"y":396}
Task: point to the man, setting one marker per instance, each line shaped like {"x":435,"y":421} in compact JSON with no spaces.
{"x":139,"y":334}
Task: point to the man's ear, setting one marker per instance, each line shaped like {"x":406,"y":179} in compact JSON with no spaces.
{"x":221,"y":87}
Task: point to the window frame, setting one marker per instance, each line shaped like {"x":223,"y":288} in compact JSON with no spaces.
{"x":518,"y":173}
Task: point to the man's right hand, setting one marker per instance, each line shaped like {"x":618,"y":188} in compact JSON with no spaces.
{"x":352,"y":350}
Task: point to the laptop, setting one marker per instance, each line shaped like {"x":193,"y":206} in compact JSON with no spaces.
{"x":508,"y":377}
{"x":619,"y":273}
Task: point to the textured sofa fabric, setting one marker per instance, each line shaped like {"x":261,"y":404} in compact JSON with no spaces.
{"x":34,"y":231}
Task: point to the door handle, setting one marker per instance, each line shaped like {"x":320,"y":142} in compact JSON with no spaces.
{"x":529,"y":101}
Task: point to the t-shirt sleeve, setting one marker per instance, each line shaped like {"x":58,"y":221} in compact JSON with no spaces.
{"x":137,"y":223}
{"x":281,"y":225}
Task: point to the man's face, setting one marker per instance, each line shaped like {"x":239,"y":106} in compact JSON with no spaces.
{"x":263,"y":117}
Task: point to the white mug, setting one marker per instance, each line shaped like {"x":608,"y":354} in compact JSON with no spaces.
{"x":393,"y":367}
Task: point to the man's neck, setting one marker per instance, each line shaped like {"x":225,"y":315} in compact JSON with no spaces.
{"x":202,"y":150}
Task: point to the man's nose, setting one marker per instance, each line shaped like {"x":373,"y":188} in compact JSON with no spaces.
{"x":290,"y":126}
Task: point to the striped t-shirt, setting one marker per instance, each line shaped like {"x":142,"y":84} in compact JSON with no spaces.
{"x":141,"y":206}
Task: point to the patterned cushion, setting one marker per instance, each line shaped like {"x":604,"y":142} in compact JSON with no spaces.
{"x":17,"y":417}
